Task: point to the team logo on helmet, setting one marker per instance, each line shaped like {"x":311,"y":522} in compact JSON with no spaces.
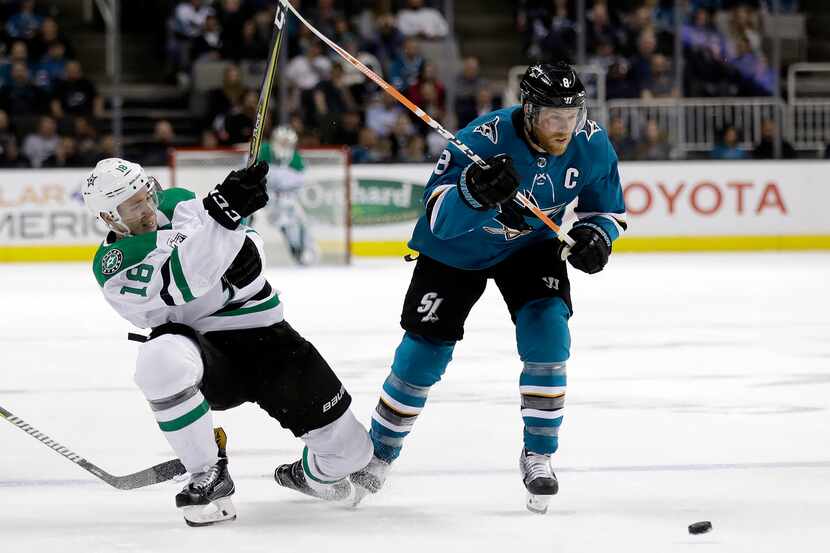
{"x":112,"y":262}
{"x":90,"y":181}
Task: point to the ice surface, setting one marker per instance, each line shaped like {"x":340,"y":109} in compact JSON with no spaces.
{"x":698,"y":390}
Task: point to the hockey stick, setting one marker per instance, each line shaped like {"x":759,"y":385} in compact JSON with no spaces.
{"x":267,"y":86}
{"x":147,"y":477}
{"x":389,"y":89}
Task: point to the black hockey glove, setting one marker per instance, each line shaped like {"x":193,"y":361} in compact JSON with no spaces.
{"x":483,"y":189}
{"x":246,"y":266}
{"x":240,"y":194}
{"x":592,"y":248}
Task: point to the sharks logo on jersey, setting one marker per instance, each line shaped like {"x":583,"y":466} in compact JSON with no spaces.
{"x":589,"y":129}
{"x":489,"y":130}
{"x":512,"y":219}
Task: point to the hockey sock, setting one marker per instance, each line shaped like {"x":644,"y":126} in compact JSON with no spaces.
{"x":419,"y":363}
{"x":187,"y":423}
{"x":336,"y":450}
{"x":542,"y":386}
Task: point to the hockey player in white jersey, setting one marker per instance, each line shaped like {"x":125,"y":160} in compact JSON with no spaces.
{"x":285,"y":182}
{"x":190,"y":271}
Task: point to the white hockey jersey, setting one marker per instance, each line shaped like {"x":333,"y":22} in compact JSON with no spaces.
{"x":175,"y":274}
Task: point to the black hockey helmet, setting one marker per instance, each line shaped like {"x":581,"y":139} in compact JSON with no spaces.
{"x":551,"y":85}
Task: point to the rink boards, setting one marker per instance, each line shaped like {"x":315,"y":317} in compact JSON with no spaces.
{"x":672,"y":206}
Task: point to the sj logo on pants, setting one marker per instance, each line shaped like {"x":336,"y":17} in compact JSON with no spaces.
{"x":429,"y":305}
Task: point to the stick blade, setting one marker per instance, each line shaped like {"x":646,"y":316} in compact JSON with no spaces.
{"x":147,"y":477}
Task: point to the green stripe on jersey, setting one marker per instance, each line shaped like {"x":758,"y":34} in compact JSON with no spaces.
{"x":264,"y":306}
{"x":170,"y":198}
{"x":122,"y":254}
{"x":178,"y":275}
{"x":188,"y":418}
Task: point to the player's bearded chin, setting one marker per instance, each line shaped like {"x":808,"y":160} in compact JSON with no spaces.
{"x":555,"y":144}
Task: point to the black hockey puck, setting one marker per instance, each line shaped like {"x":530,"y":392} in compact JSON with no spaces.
{"x":700,"y":527}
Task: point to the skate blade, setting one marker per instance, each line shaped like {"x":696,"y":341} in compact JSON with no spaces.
{"x":538,"y":503}
{"x":205,"y":515}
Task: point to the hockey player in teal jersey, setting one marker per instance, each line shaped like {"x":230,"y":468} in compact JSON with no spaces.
{"x":188,"y":269}
{"x":473,"y":230}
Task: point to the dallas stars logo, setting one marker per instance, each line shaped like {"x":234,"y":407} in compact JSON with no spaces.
{"x":111,"y":262}
{"x":90,"y":181}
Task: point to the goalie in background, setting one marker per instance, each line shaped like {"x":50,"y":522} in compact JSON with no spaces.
{"x":286,"y":179}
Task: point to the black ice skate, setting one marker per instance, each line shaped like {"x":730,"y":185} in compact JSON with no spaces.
{"x":539,"y":479}
{"x":294,"y":477}
{"x":369,"y":479}
{"x":207,"y":497}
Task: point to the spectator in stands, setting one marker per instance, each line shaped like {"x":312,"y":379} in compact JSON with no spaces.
{"x":618,"y":85}
{"x":76,"y":95}
{"x":221,"y":100}
{"x":364,"y":151}
{"x":765,"y":149}
{"x":332,"y":98}
{"x":52,"y":66}
{"x":347,"y":132}
{"x":157,"y":152}
{"x":232,"y":16}
{"x":415,"y":20}
{"x":358,"y":84}
{"x":25,"y":23}
{"x":728,"y":147}
{"x":662,"y":82}
{"x":402,"y":131}
{"x":705,"y":50}
{"x":208,"y":45}
{"x":466,"y":88}
{"x":239,"y":123}
{"x":66,"y":154}
{"x":604,"y":56}
{"x":758,"y":77}
{"x":251,"y":45}
{"x":48,"y":36}
{"x":654,"y":147}
{"x":190,"y":16}
{"x":600,"y":30}
{"x":86,"y":138}
{"x":624,"y":145}
{"x":640,"y":72}
{"x":307,"y":70}
{"x":38,"y":146}
{"x":486,"y":101}
{"x":21,"y":97}
{"x":427,"y":80}
{"x":382,"y":113}
{"x":743,"y":24}
{"x":11,"y":158}
{"x":404,"y":70}
{"x":325,"y":17}
{"x":18,"y":53}
{"x":635,"y":22}
{"x":415,"y":151}
{"x":387,"y":41}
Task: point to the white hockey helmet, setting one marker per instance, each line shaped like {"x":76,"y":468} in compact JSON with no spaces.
{"x":111,"y":183}
{"x":283,"y":144}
